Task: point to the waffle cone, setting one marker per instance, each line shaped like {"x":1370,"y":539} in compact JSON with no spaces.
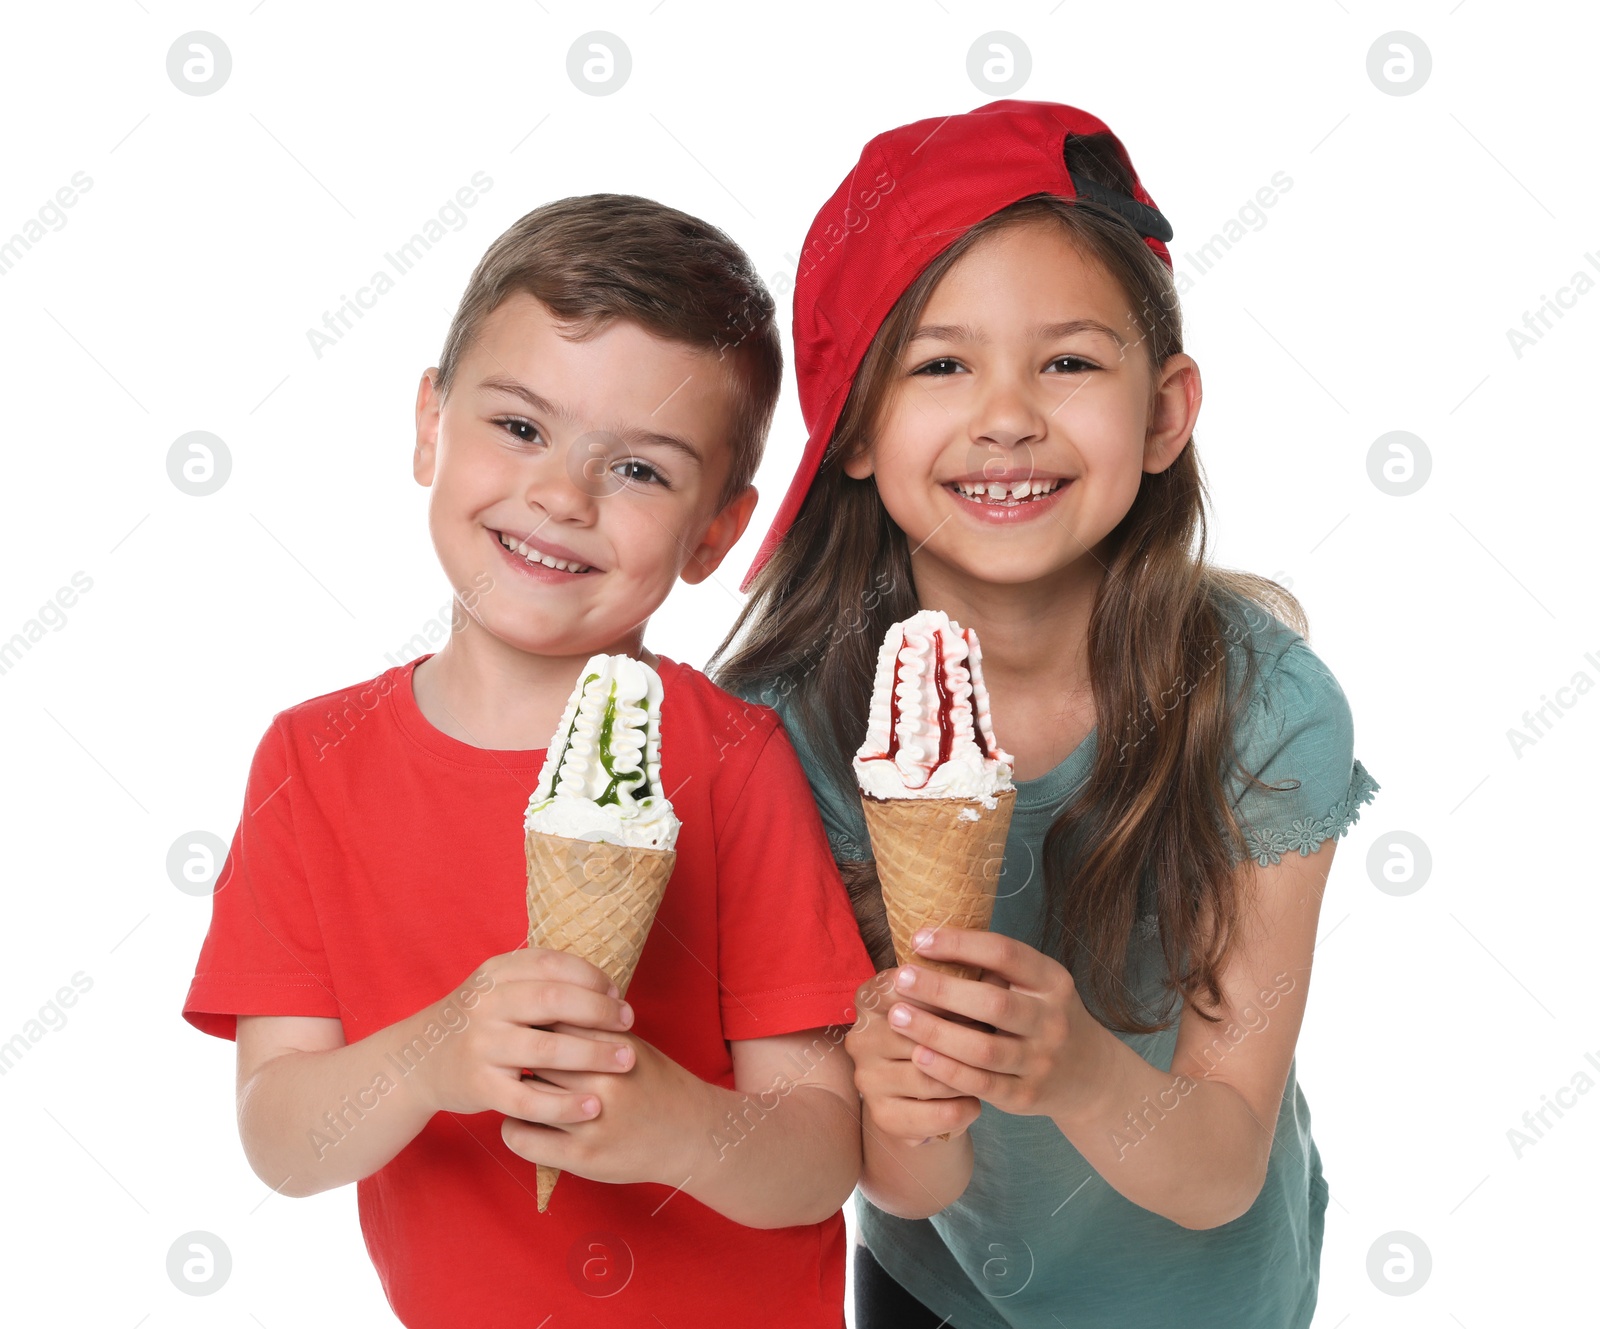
{"x":937,"y":869}
{"x":596,"y":901}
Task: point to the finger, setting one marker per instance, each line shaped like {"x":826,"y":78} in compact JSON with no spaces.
{"x":968,"y":1000}
{"x":877,"y":1040}
{"x":1000,"y":1052}
{"x":560,"y":967}
{"x":915,"y":1120}
{"x":900,"y":1078}
{"x":905,"y":1079}
{"x":882,"y":1039}
{"x":886,"y":1040}
{"x":546,"y":1049}
{"x":546,"y":1145}
{"x":873,"y":997}
{"x":571,"y":1082}
{"x":989,"y":1086}
{"x":545,"y":1003}
{"x":527,"y":1141}
{"x":1002,"y":1007}
{"x":549,"y":1105}
{"x":1019,"y":964}
{"x":583,"y":1031}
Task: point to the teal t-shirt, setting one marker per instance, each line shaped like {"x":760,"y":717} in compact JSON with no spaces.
{"x":1039,"y":1240}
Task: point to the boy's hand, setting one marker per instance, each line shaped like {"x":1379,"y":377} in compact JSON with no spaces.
{"x":529,"y":1008}
{"x":898,"y":1098}
{"x":651,"y":1125}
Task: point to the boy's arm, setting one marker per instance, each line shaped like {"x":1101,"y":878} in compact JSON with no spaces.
{"x":785,"y":1144}
{"x":780,"y":1149}
{"x":292,"y":1070}
{"x":315,"y":1113}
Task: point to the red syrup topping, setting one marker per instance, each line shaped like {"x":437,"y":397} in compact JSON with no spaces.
{"x":894,"y":707}
{"x":947,"y":723}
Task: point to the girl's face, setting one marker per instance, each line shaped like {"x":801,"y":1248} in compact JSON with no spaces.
{"x":1024,"y":414}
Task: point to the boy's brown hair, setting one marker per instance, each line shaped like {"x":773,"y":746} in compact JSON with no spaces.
{"x":595,"y":258}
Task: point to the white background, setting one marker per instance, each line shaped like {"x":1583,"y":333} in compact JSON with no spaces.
{"x":1376,"y":297}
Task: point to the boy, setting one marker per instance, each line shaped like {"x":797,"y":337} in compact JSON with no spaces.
{"x":588,"y":437}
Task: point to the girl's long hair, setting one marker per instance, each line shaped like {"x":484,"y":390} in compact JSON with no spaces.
{"x":1155,"y":805}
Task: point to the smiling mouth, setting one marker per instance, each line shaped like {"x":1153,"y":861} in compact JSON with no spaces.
{"x":534,"y":556}
{"x":996,"y":494}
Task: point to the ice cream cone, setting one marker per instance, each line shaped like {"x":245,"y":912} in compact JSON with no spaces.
{"x":597,"y":901}
{"x":935,"y":785}
{"x":937,"y":867}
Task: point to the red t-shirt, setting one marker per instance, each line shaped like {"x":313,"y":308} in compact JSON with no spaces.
{"x":379,"y":861}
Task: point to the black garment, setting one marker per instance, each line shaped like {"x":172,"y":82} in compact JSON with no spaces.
{"x":881,"y":1303}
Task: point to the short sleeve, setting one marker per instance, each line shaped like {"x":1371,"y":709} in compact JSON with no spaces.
{"x":1298,"y":737}
{"x":263,"y":954}
{"x":790,"y":954}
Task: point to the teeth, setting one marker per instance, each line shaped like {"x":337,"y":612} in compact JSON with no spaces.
{"x":534,"y":556}
{"x":994,"y":491}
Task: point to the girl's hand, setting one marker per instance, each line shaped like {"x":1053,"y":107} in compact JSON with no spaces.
{"x":648,"y":1125}
{"x":898,"y":1099}
{"x":1045,"y":1055}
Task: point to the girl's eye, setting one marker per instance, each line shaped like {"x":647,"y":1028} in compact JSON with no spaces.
{"x":939,"y":368}
{"x":635,"y":471}
{"x":1070,"y":364}
{"x":513,"y":425}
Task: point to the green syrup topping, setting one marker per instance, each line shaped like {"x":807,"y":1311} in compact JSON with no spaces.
{"x":608,"y":721}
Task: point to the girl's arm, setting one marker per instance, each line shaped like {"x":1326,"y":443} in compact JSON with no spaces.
{"x":910,"y":1179}
{"x":906,"y":1169}
{"x":1192,"y":1144}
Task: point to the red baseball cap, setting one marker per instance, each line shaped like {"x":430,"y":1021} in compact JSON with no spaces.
{"x":912,"y":194}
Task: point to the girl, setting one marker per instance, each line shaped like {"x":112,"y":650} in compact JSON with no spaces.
{"x":990,"y":360}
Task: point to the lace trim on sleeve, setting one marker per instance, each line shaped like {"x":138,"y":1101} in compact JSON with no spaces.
{"x":1306,"y":835}
{"x":847,"y":847}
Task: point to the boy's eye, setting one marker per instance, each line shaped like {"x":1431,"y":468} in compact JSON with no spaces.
{"x":940,"y":367}
{"x":515,"y":426}
{"x":635,"y":471}
{"x":1070,"y":364}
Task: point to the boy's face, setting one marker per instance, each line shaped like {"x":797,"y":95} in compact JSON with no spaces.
{"x":602,"y":460}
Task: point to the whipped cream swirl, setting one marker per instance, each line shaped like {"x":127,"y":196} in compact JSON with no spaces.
{"x":601,"y":778}
{"x":929,"y":734}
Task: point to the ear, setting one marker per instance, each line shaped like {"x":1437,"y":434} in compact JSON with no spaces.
{"x":1174,"y":409}
{"x":859,"y":467}
{"x":422,"y":460}
{"x":719,"y":537}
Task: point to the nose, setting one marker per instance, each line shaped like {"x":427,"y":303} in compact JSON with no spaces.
{"x":566,"y":483}
{"x":1007,"y":416}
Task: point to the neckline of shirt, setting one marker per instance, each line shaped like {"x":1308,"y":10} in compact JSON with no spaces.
{"x":1052,"y":788}
{"x":422,"y":731}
